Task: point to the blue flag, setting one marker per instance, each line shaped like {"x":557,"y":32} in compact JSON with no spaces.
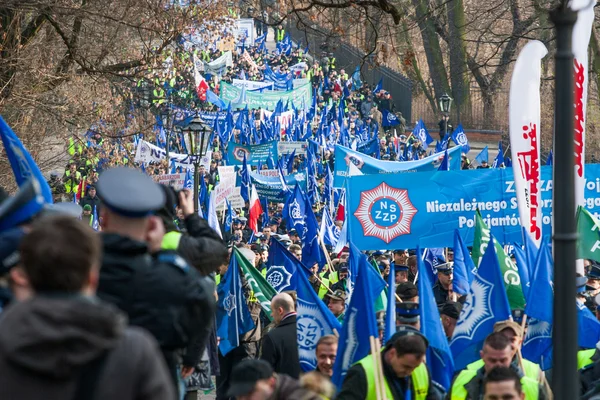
{"x":550,"y":158}
{"x":439,"y":357}
{"x":390,"y":314}
{"x":95,"y":221}
{"x":389,"y":119}
{"x":486,"y":304}
{"x":23,"y":166}
{"x":444,"y":165}
{"x":299,"y":215}
{"x":233,"y":317}
{"x":314,"y":320}
{"x":360,"y":325}
{"x":356,"y":82}
{"x":537,"y":345}
{"x":329,"y":232}
{"x":482,"y":156}
{"x":460,"y":139}
{"x":189,"y":180}
{"x":282,"y":267}
{"x":464,"y":269}
{"x":379,"y":86}
{"x":523,"y":267}
{"x":432,"y":258}
{"x":588,"y":327}
{"x":229,"y":216}
{"x":357,"y":262}
{"x":420,"y":132}
{"x":245,"y":180}
{"x":499,"y":160}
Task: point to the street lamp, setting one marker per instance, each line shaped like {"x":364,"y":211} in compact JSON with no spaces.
{"x":445,"y":102}
{"x":197,"y":134}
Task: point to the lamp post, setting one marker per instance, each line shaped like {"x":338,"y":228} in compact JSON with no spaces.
{"x":565,"y":380}
{"x":165,"y":116}
{"x":445,"y":102}
{"x":197,"y":135}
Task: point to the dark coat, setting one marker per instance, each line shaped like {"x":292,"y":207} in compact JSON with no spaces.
{"x":92,"y":201}
{"x":280,"y":348}
{"x":169,"y":299}
{"x":46,"y":343}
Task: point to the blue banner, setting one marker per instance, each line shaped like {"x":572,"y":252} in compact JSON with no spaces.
{"x":271,"y":187}
{"x":255,"y":154}
{"x":401,"y":211}
{"x":369,"y":165}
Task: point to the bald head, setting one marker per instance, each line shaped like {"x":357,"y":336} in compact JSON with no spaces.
{"x":281,"y":305}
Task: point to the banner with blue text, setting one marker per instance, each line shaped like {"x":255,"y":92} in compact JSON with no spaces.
{"x":255,"y":154}
{"x":399,"y":211}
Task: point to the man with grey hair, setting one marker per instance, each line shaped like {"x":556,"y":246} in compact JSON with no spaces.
{"x":279,"y":347}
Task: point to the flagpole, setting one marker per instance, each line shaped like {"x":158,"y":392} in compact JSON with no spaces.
{"x":377,"y":368}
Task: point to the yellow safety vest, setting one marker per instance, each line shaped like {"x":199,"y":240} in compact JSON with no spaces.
{"x":531,"y":387}
{"x":74,"y":148}
{"x":280,"y":34}
{"x":217,"y":279}
{"x":171,"y":240}
{"x":584,"y":358}
{"x":323,"y":288}
{"x":72,"y":185}
{"x":530,"y":369}
{"x":420,"y":380}
{"x":333,"y":278}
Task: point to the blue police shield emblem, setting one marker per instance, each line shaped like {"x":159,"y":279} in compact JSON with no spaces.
{"x":385,"y":212}
{"x":476,"y":311}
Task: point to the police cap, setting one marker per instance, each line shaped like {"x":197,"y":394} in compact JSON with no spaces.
{"x":580,"y":282}
{"x":129,"y":193}
{"x":445,"y":268}
{"x":593,"y":271}
{"x":407,"y":312}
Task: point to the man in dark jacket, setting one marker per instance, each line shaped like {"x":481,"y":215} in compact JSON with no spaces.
{"x":279,"y":346}
{"x":156,"y":289}
{"x":91,"y":199}
{"x":404,"y":371}
{"x":63,"y":343}
{"x":254,"y":379}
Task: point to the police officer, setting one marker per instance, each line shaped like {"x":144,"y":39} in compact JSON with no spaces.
{"x":442,"y":290}
{"x":407,"y":313}
{"x":405,"y":373}
{"x":497,"y":351}
{"x":157,"y":289}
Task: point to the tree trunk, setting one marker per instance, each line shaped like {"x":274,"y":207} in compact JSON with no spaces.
{"x":433,"y":51}
{"x":459,"y":76}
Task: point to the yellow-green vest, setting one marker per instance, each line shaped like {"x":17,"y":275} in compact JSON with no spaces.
{"x":71,"y":185}
{"x":171,"y":241}
{"x":217,"y":279}
{"x":531,"y":387}
{"x":323,"y":288}
{"x":530,"y":369}
{"x":584,"y":358}
{"x":420,"y":380}
{"x":74,"y":147}
{"x":333,"y":278}
{"x":280,"y":34}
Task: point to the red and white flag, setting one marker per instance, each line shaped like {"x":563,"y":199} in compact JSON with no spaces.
{"x":255,"y":210}
{"x":201,"y":84}
{"x":581,"y":40}
{"x":524,"y":123}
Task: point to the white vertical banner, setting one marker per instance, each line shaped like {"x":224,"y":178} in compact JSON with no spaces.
{"x":581,"y":40}
{"x":524,"y":125}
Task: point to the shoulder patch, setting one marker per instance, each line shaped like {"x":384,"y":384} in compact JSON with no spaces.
{"x":174,"y":259}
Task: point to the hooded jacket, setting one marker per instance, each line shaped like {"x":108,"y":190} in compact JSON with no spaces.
{"x":46,"y":343}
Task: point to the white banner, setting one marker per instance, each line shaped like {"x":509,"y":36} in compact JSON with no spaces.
{"x":269,"y":172}
{"x":245,"y":31}
{"x":147,"y":152}
{"x":217,"y":67}
{"x":226,"y":172}
{"x":299,"y":82}
{"x":524,"y":123}
{"x":581,"y":40}
{"x":251,"y":85}
{"x":226,"y":189}
{"x":289,"y":147}
{"x":177,"y":181}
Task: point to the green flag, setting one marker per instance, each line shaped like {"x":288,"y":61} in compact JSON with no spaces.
{"x":588,"y":227}
{"x":261,"y":289}
{"x":512,"y":280}
{"x":480,"y":240}
{"x":510,"y":273}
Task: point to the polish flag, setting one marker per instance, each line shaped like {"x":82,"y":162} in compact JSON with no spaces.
{"x":255,"y":210}
{"x":80,"y":189}
{"x":201,"y":84}
{"x":340,"y":215}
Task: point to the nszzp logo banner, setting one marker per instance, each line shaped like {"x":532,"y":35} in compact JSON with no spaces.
{"x":424,"y":208}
